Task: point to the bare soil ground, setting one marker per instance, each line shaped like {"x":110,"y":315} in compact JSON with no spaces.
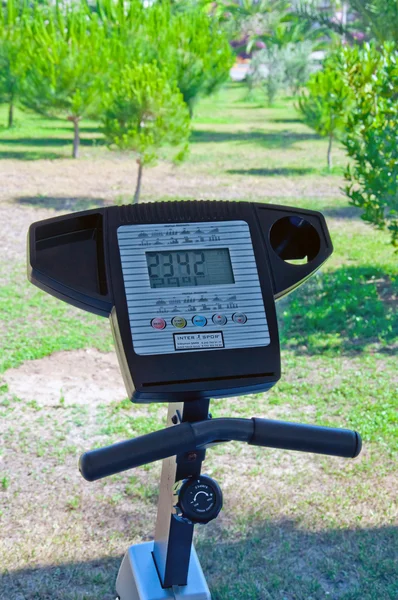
{"x":52,"y":183}
{"x":86,"y":377}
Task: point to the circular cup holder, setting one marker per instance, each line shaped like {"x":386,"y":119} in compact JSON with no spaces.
{"x":295,"y":240}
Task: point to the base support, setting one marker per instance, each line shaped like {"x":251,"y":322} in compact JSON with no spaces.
{"x":138,"y":578}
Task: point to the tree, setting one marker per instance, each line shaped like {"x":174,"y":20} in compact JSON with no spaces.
{"x":191,"y":47}
{"x":15,"y":22}
{"x":144,"y":112}
{"x":325,"y":103}
{"x":372,"y":134}
{"x":370,"y":19}
{"x":183,"y":39}
{"x":261,"y":23}
{"x":268,"y":71}
{"x":297,"y":64}
{"x":67,"y":57}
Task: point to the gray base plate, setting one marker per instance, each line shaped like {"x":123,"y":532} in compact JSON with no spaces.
{"x":138,"y":578}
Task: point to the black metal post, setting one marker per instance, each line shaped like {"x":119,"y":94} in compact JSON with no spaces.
{"x":173,"y":535}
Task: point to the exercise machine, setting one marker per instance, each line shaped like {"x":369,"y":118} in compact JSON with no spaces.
{"x":190,"y":290}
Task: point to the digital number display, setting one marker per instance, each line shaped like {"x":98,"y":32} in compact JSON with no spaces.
{"x":183,"y":268}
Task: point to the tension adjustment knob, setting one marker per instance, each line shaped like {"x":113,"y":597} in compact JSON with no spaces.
{"x":200,"y":499}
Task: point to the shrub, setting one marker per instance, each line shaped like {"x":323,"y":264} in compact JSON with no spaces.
{"x":372,"y":134}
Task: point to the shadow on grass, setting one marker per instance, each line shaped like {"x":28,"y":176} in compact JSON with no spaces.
{"x":62,"y":203}
{"x":283,"y":171}
{"x":342,"y":212}
{"x":343,"y":312}
{"x":280,"y":139}
{"x":286,"y":120}
{"x":50,"y":141}
{"x":30,"y":155}
{"x":66,"y":127}
{"x":275,"y":560}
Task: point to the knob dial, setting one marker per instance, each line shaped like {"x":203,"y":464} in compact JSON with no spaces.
{"x":200,"y":499}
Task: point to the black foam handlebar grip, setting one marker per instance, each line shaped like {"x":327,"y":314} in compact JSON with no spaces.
{"x":185,"y":437}
{"x":306,"y":438}
{"x":139,"y":451}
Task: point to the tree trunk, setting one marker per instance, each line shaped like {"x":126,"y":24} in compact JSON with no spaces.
{"x":76,"y":135}
{"x":138,"y":186}
{"x":330,"y":151}
{"x":11,"y":113}
{"x":76,"y":138}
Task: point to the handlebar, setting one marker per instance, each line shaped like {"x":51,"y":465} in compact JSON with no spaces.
{"x":187,"y":437}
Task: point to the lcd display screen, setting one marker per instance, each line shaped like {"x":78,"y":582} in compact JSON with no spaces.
{"x":183,"y":268}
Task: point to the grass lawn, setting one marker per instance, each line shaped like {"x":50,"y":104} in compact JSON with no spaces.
{"x":294,"y":526}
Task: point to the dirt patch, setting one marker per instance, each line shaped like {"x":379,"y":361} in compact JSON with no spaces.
{"x":105,"y":180}
{"x":15,"y":221}
{"x":85,"y":377}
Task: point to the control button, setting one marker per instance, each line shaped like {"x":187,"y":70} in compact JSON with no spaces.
{"x":179,"y":322}
{"x":199,"y":320}
{"x":158,"y":323}
{"x":219,"y":319}
{"x":239,"y":318}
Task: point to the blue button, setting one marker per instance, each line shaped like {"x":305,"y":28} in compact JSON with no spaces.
{"x":199,"y":320}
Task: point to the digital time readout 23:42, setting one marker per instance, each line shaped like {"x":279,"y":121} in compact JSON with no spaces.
{"x":189,"y":268}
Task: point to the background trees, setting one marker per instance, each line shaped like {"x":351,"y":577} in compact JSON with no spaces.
{"x":69,"y":61}
{"x":66,"y":60}
{"x":15,"y":32}
{"x":60,"y":60}
{"x":143,"y":112}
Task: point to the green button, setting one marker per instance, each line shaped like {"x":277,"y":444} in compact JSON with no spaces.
{"x":179,"y":322}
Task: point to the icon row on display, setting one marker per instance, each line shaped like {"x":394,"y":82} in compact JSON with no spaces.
{"x":198,"y":320}
{"x":157,"y":233}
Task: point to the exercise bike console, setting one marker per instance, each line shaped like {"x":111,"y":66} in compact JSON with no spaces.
{"x":190,"y":289}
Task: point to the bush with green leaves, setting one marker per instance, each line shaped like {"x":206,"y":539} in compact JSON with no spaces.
{"x":276,"y":68}
{"x":267,"y":72}
{"x":66,"y":60}
{"x":298,"y":65}
{"x":326,"y":102}
{"x":15,"y":31}
{"x":372,"y":134}
{"x":144,"y":112}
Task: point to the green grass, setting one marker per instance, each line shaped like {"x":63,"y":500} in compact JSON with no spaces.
{"x":294,"y":527}
{"x":36,"y":325}
{"x":33,"y":137}
{"x":226,"y":128}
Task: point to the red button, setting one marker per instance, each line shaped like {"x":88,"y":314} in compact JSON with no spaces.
{"x":239,"y":318}
{"x":158,"y":323}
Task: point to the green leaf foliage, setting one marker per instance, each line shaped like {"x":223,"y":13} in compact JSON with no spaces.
{"x":372,"y":134}
{"x":378,"y":19}
{"x":15,"y":31}
{"x":184,"y":40}
{"x":143,"y":112}
{"x":66,"y":59}
{"x":375,"y":20}
{"x":325,"y":103}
